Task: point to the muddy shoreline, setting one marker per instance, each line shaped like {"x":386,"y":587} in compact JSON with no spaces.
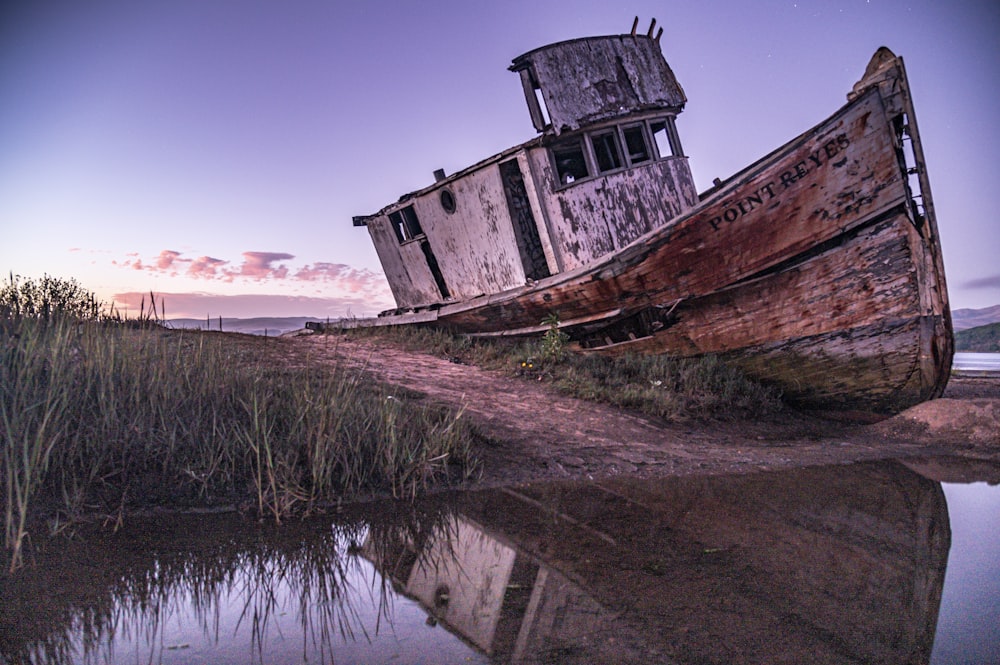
{"x":530,"y":432}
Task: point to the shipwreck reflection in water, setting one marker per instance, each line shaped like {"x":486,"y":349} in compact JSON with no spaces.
{"x":829,"y":565}
{"x":832,"y":565}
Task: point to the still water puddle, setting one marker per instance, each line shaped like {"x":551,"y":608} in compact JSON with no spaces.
{"x":977,"y":363}
{"x":846,"y":564}
{"x":968,"y":628}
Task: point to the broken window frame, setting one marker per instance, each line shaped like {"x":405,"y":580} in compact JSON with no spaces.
{"x":671,"y":147}
{"x":536,"y":100}
{"x":576,"y":145}
{"x":605,"y":146}
{"x":668,"y":147}
{"x":405,"y":223}
{"x":634,"y":159}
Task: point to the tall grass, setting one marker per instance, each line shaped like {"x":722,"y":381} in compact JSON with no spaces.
{"x":101,"y":417}
{"x":31,"y":422}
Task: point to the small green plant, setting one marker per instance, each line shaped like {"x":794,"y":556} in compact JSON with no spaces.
{"x":553,"y":344}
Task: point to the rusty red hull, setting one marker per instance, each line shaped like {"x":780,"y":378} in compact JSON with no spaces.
{"x":817,"y":269}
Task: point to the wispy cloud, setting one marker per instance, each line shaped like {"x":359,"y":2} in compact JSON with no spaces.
{"x":991,"y":282}
{"x":348,"y":278}
{"x":319,"y":272}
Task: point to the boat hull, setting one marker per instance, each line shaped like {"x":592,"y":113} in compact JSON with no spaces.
{"x":843,"y":330}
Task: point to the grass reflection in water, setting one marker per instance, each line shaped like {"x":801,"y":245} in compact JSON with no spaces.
{"x":215,"y":589}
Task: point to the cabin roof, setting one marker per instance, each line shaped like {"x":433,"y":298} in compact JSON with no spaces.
{"x":590,"y":79}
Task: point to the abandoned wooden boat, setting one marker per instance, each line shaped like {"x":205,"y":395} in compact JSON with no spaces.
{"x":816,"y":269}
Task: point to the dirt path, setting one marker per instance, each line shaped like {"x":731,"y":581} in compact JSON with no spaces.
{"x":534,"y":432}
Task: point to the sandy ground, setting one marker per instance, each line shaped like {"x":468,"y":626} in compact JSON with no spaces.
{"x":531,"y":432}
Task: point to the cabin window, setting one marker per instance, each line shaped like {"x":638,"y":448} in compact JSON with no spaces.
{"x":405,"y":224}
{"x":542,"y":108}
{"x":660,"y":138}
{"x":675,"y":138}
{"x":613,"y":148}
{"x":448,"y":201}
{"x":635,"y":144}
{"x":536,"y":102}
{"x":606,"y":152}
{"x":571,"y":164}
{"x":665,"y":136}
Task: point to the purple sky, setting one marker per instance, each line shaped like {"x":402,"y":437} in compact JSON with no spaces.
{"x":215,"y":151}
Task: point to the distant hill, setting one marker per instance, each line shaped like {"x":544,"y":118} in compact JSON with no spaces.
{"x":981,"y":339}
{"x":962,"y":319}
{"x":269,"y":325}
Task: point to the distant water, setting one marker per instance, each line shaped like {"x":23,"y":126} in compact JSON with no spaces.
{"x":271,"y":325}
{"x":977,"y":362}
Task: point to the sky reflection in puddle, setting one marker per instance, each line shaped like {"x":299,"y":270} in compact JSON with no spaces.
{"x":968,"y":629}
{"x":827,"y":565}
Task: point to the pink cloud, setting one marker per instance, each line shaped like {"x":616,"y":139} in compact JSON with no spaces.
{"x":257,"y":265}
{"x":207,"y":267}
{"x":322,"y":271}
{"x":365,"y":281}
{"x":132,"y":261}
{"x":267,"y":267}
{"x":344,"y":276}
{"x":166,"y":259}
